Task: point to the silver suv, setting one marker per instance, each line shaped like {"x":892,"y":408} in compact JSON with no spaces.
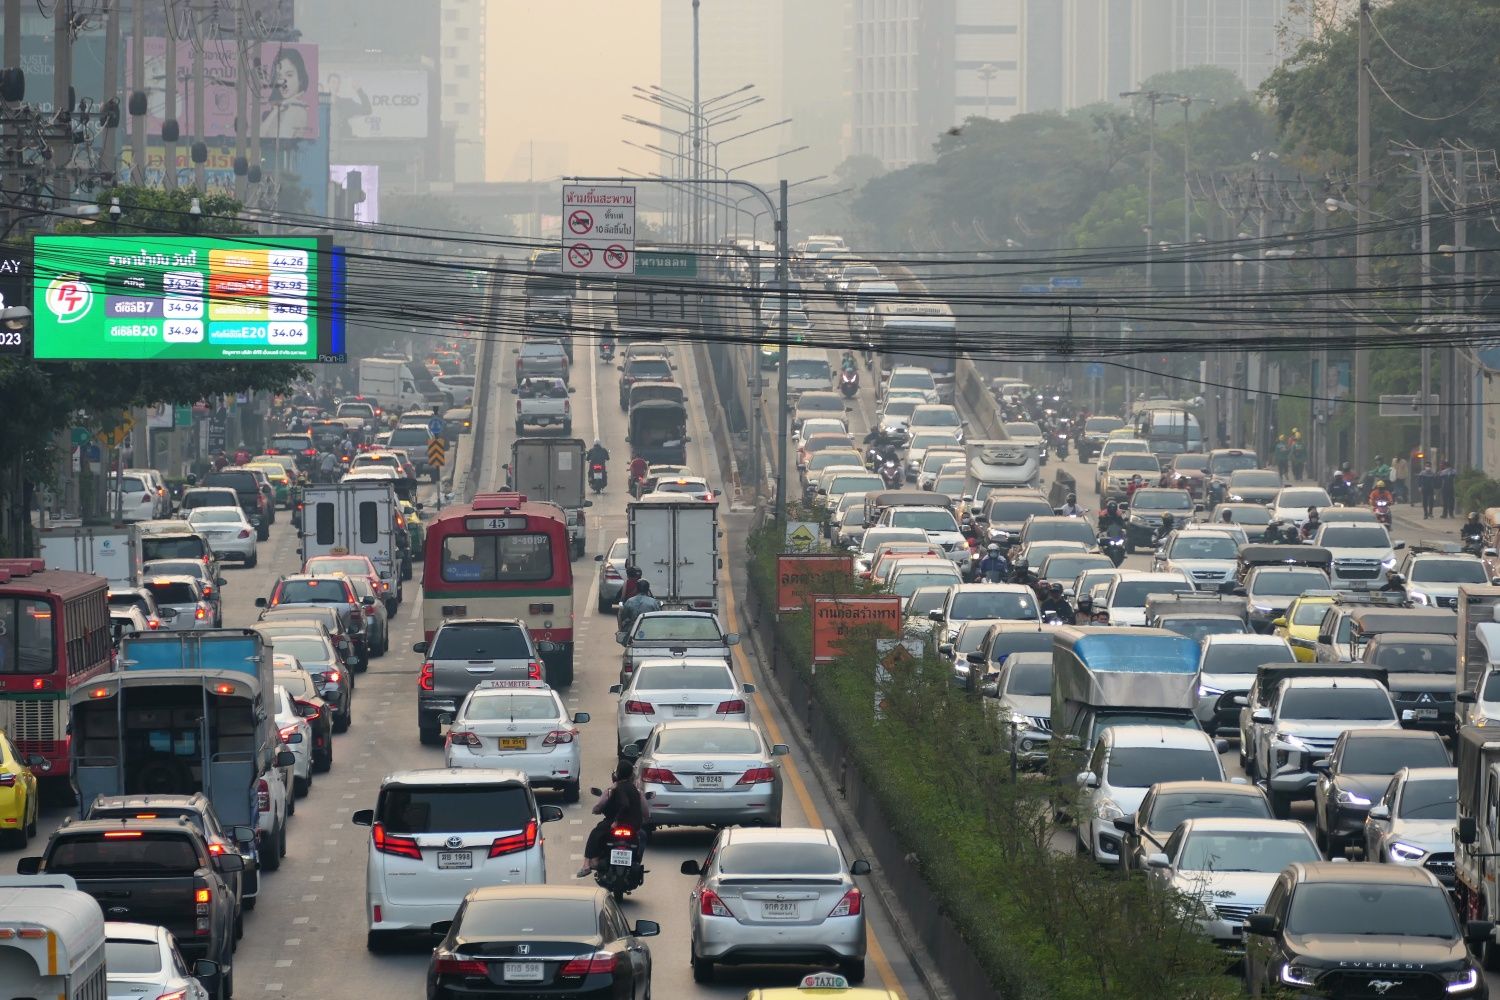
{"x":463,"y":652}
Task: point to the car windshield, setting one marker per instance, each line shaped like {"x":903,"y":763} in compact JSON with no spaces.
{"x":1173,"y":500}
{"x":811,"y":403}
{"x":1016,"y":511}
{"x":650,"y":368}
{"x":469,"y":808}
{"x":1267,"y":853}
{"x":1030,"y":680}
{"x":1203,"y":547}
{"x":1352,"y":537}
{"x":971,"y":604}
{"x":409,"y":437}
{"x":944,"y":416}
{"x":1448,"y":571}
{"x":1371,"y":909}
{"x":1023,"y":429}
{"x":131,"y":957}
{"x":927,"y":520}
{"x":1258,"y":478}
{"x":1134,"y":463}
{"x":688,"y":676}
{"x":1355,"y":704}
{"x":707,"y":740}
{"x":780,"y":858}
{"x":1383,"y":755}
{"x":911,"y":380}
{"x":1287,"y":583}
{"x":312,"y":592}
{"x":527,"y":705}
{"x":480,"y":642}
{"x":307,"y":649}
{"x":1173,"y":808}
{"x":1133,"y":593}
{"x":1243,"y":657}
{"x":1223,"y":465}
{"x":1430,"y":798}
{"x":1252,"y":516}
{"x":215,"y":515}
{"x":807,"y":368}
{"x":1410,"y":657}
{"x":1142,"y":767}
{"x":1303,"y":498}
{"x":1309,"y":612}
{"x":678,"y":627}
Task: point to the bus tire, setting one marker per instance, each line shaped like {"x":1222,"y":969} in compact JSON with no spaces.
{"x":560,"y":674}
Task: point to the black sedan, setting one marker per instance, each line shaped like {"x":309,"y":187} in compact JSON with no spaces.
{"x":525,"y":940}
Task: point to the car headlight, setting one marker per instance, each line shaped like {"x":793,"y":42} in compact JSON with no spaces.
{"x":1258,"y":608}
{"x":1417,"y":597}
{"x":1295,"y":975}
{"x":1107,"y":810}
{"x":1389,"y":562}
{"x":1020,"y":721}
{"x":1290,"y":741}
{"x":1406,"y":852}
{"x":1348,"y":798}
{"x":1463,"y":979}
{"x":1205,"y":690}
{"x":1236,"y":498}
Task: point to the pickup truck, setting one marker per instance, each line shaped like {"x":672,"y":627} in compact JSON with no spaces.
{"x":657,"y":634}
{"x":542,"y":401}
{"x":157,"y":871}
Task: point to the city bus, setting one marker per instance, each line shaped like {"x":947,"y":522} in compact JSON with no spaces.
{"x":54,"y":636}
{"x":503,"y":556}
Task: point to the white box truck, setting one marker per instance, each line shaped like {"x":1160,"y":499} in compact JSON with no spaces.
{"x":554,"y":469}
{"x":397,"y":385}
{"x":675,"y":542}
{"x":110,"y":551}
{"x":355,"y":517}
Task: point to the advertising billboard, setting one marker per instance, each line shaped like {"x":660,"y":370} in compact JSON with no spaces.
{"x":15,"y":290}
{"x":374,"y":102}
{"x":180,"y":298}
{"x":287,"y":76}
{"x":367,"y":211}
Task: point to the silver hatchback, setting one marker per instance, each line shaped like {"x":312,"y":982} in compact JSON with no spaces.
{"x":710,"y":773}
{"x":778,"y":896}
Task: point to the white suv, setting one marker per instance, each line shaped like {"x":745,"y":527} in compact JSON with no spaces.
{"x":1361,"y":553}
{"x":437,"y":833}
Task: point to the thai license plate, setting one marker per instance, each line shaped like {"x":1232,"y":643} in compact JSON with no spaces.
{"x":455,"y":859}
{"x":523,"y":972}
{"x":685,"y":711}
{"x":1424,"y":713}
{"x":710,"y":781}
{"x":512,"y":743}
{"x":620,"y":856}
{"x":779,"y":910}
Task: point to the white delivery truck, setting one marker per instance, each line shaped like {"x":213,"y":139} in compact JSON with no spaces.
{"x":675,"y":542}
{"x":554,"y":469}
{"x":110,"y":551}
{"x":355,"y":517}
{"x":397,"y":385}
{"x":54,"y":940}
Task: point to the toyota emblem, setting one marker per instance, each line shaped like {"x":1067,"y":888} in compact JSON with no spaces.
{"x":455,"y":841}
{"x":708,"y":765}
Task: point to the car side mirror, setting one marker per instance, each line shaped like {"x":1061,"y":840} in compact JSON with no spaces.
{"x":1262,"y":924}
{"x":1468,"y":831}
{"x":1278,"y":623}
{"x":1380,"y":812}
{"x":243,"y":835}
{"x":860,"y":867}
{"x":364,"y":817}
{"x":646,"y":928}
{"x":621,"y":638}
{"x":935,"y":615}
{"x":551,"y":814}
{"x":615,"y":689}
{"x":368,"y":600}
{"x":1322,"y":765}
{"x":977,"y":659}
{"x":1087,"y":779}
{"x":293,"y":739}
{"x":732,"y":639}
{"x":419,"y":647}
{"x":29,"y":866}
{"x":229,"y":863}
{"x":1125,"y":824}
{"x":1467,"y":698}
{"x":687,"y":868}
{"x":1398,"y":546}
{"x":780,"y":750}
{"x":1477,"y":932}
{"x":1262,"y":716}
{"x":748,"y":688}
{"x":599,"y":557}
{"x":205,"y":968}
{"x":221,"y":582}
{"x":260,"y":602}
{"x":1158,"y":860}
{"x":579,"y":718}
{"x":285,"y":758}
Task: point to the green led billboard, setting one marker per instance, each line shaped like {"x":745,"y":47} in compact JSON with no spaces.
{"x":180,"y":298}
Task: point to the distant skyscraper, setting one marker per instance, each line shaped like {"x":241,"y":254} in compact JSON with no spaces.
{"x":463,"y":97}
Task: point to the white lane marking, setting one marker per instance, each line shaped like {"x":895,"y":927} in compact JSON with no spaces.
{"x":310,"y":899}
{"x":293,"y":942}
{"x":325,"y":861}
{"x":283,"y":963}
{"x":300,"y":920}
{"x":575,"y":822}
{"x":330,"y":843}
{"x":315,"y":878}
{"x":335,"y":826}
{"x":273,"y":987}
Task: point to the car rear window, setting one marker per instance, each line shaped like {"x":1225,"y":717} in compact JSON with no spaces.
{"x":708,"y":739}
{"x":312,"y":592}
{"x":528,"y":707}
{"x":488,"y":919}
{"x":675,"y":627}
{"x":454,"y":808}
{"x":149,"y":853}
{"x":240,"y":482}
{"x":780,"y":858}
{"x":667,"y":676}
{"x":409,"y":437}
{"x":195,"y":500}
{"x":306,"y":648}
{"x":172,"y":593}
{"x":480,"y":642}
{"x":654,"y":368}
{"x":173,"y":547}
{"x":297,"y":683}
{"x":131,"y":956}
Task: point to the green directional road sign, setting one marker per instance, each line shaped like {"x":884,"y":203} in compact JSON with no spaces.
{"x":659,"y":264}
{"x":79,"y":436}
{"x":182,"y":415}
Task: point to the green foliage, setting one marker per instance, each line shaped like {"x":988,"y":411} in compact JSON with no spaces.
{"x":155,"y":210}
{"x":1201,"y":83}
{"x":1475,"y":491}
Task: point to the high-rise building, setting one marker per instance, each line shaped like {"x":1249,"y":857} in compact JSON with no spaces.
{"x":463,"y":110}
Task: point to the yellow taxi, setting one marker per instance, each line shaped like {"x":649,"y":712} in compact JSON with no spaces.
{"x":1299,"y":626}
{"x":281,"y":483}
{"x":821,"y":984}
{"x":20,"y":803}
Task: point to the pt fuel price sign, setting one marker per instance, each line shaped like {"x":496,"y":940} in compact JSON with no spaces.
{"x":180,"y":298}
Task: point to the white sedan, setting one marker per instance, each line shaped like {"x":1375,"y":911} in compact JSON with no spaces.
{"x":661,"y":690}
{"x":1291,"y":504}
{"x":228,"y":532}
{"x":296,"y":734}
{"x":520,"y":724}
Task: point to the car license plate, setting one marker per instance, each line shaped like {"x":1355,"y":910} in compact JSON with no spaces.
{"x":620,"y":856}
{"x":710,"y":781}
{"x":779,"y":910}
{"x":455,"y":859}
{"x":1424,"y":713}
{"x":512,"y":743}
{"x":685,"y":711}
{"x":523,"y":972}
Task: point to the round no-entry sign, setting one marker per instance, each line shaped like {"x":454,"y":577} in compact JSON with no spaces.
{"x":580,"y":222}
{"x":580,"y":255}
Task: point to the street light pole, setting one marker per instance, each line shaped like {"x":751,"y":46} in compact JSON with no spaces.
{"x":697,"y":129}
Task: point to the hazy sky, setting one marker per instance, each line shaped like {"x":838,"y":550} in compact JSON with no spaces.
{"x":560,"y":75}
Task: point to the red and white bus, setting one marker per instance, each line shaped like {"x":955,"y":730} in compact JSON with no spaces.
{"x":54,"y":636}
{"x":503,"y":556}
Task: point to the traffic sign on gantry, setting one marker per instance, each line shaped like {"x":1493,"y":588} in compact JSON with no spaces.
{"x":598,"y":229}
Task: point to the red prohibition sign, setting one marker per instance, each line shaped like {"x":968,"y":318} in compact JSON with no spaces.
{"x":580,"y":255}
{"x":616,"y":256}
{"x":580,"y":221}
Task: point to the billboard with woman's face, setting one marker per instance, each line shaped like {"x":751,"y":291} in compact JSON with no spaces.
{"x":287,"y":75}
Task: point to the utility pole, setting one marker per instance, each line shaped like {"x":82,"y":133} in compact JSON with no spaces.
{"x":111,"y":75}
{"x":1362,"y":248}
{"x":783,"y":409}
{"x":138,"y":86}
{"x":62,"y":84}
{"x":200,"y":171}
{"x":241,"y":71}
{"x":1153,"y":98}
{"x":696,"y":127}
{"x":1425,"y":442}
{"x":174,"y":124}
{"x":1458,"y":388}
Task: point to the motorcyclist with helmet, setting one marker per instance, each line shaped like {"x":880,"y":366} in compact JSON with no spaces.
{"x":1168,"y":525}
{"x":1111,"y":519}
{"x":1471,"y":532}
{"x":1381,"y":500}
{"x":1071,"y":508}
{"x":1054,"y":603}
{"x":993,"y":568}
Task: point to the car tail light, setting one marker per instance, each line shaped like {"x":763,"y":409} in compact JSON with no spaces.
{"x":849,"y":905}
{"x":710,"y":905}
{"x":659,"y":776}
{"x":731,"y":707}
{"x":263,"y":795}
{"x":516,"y":841}
{"x":639,"y":708}
{"x":757,"y":776}
{"x":288,"y":732}
{"x":174,"y":995}
{"x":518,"y":406}
{"x":460,"y":967}
{"x":7,"y":780}
{"x":244,"y":533}
{"x":558,"y":736}
{"x":208,"y":591}
{"x":331,"y":676}
{"x":587,"y":965}
{"x":534,"y":670}
{"x":202,"y":897}
{"x":610,"y":573}
{"x":201,"y":614}
{"x":466,"y":739}
{"x":387,"y":843}
{"x":424,"y":677}
{"x":127,"y":834}
{"x":313,"y":710}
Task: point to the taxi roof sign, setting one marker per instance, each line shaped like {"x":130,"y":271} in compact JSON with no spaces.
{"x":530,"y":684}
{"x":823,"y":981}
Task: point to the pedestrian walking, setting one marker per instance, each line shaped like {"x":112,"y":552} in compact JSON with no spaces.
{"x":1400,"y":485}
{"x":1427,"y":485}
{"x":1280,"y":454}
{"x":1447,"y":481}
{"x":1298,"y":454}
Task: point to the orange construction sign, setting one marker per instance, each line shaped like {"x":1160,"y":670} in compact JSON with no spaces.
{"x":836,"y":618}
{"x":797,"y":576}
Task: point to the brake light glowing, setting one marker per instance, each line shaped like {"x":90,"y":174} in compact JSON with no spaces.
{"x":217,"y":850}
{"x":516,"y":841}
{"x":200,"y":614}
{"x":424,"y":677}
{"x":598,"y":962}
{"x":460,"y":967}
{"x":849,"y":906}
{"x":710,"y":905}
{"x":639,"y":708}
{"x":731,"y":707}
{"x":401,"y":847}
{"x":659,"y":776}
{"x":202,"y":896}
{"x":757,"y":776}
{"x":40,"y":683}
{"x":125,"y":834}
{"x":558,"y":736}
{"x":331,"y":676}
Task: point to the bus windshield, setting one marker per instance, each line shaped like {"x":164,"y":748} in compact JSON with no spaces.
{"x":26,"y":644}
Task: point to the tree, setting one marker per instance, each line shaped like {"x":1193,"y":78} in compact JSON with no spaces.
{"x":1201,"y":83}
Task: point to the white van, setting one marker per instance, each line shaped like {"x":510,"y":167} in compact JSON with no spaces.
{"x":57,"y":945}
{"x":807,"y":370}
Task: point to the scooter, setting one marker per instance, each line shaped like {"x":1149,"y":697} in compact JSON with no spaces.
{"x":849,"y":382}
{"x":892,"y":475}
{"x":622,"y":868}
{"x":607,"y":351}
{"x":597,"y":477}
{"x":1112,"y":546}
{"x":1382,"y":512}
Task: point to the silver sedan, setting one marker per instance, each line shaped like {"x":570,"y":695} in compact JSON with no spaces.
{"x":710,"y":773}
{"x":229,"y":534}
{"x":776,"y":897}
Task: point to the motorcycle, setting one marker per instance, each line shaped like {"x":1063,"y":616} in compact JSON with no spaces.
{"x":849,"y":382}
{"x":1112,"y":546}
{"x":622,"y":869}
{"x":597,"y":477}
{"x":1474,"y":546}
{"x":892,"y":475}
{"x":1382,"y":511}
{"x":606,"y":351}
{"x":1060,"y":443}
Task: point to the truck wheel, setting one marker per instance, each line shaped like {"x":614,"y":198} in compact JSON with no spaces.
{"x":429,"y":736}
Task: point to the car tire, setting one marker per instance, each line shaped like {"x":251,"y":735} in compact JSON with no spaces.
{"x":570,"y":792}
{"x":430,"y":736}
{"x":226,"y":984}
{"x":1489,"y":955}
{"x":252,"y":561}
{"x":291,"y":801}
{"x":406,"y":569}
{"x":281,"y":839}
{"x":263,"y":533}
{"x":321,"y":765}
{"x":301,"y":786}
{"x":703,"y":969}
{"x":239,"y":925}
{"x":391,"y":607}
{"x":853,"y":971}
{"x":1281,"y":805}
{"x":378,"y":942}
{"x":270,"y":858}
{"x":248,"y":903}
{"x":341,"y":721}
{"x":605,"y":605}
